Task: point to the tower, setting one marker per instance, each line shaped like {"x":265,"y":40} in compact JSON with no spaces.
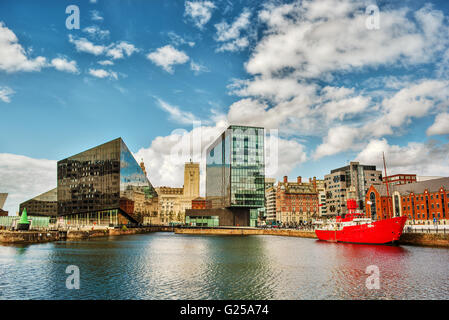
{"x":142,"y":165}
{"x":191,"y":180}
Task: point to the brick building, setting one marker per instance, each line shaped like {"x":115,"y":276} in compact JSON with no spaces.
{"x":296,"y":202}
{"x":425,"y":202}
{"x":201,"y":203}
{"x":400,"y":179}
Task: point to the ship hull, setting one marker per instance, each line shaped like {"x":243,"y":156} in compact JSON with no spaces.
{"x":379,"y":232}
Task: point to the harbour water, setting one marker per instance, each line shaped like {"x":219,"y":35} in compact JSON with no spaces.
{"x":169,"y":266}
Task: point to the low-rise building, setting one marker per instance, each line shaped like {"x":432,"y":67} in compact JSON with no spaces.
{"x":201,"y":203}
{"x":296,"y":202}
{"x":425,"y":202}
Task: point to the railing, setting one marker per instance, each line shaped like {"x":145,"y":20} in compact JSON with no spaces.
{"x":441,"y":229}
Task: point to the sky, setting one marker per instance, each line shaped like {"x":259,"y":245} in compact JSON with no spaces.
{"x":331,"y":81}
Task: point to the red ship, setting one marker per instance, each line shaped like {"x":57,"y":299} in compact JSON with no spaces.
{"x":355,"y":227}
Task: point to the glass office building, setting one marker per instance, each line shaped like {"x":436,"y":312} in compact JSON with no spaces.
{"x":235,"y":170}
{"x":104,"y":186}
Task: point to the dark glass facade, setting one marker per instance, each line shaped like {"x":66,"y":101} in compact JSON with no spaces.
{"x":45,"y":204}
{"x":235,"y":170}
{"x":104,"y":184}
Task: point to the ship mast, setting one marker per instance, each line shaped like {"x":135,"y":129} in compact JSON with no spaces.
{"x":386,"y":182}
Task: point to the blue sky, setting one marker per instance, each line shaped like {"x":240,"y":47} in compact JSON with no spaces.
{"x":327,"y":87}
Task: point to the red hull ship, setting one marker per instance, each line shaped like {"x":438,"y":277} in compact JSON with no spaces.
{"x":356,"y":229}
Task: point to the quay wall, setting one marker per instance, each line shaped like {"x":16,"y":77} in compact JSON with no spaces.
{"x":425,"y":239}
{"x":29,"y":236}
{"x":87,"y":234}
{"x":246,"y":232}
{"x":9,"y":237}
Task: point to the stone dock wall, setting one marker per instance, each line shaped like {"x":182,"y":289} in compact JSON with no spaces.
{"x":10,"y":237}
{"x":246,"y":232}
{"x":87,"y":234}
{"x":425,"y":239}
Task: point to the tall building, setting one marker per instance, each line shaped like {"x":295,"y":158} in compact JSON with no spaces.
{"x":296,"y":201}
{"x":45,"y":204}
{"x":399,"y":179}
{"x":3,"y":197}
{"x":104,"y":186}
{"x":425,"y":202}
{"x":235,"y":179}
{"x":191,"y":180}
{"x":349,"y":182}
{"x":270,"y":204}
{"x":173,"y":202}
{"x":322,"y":208}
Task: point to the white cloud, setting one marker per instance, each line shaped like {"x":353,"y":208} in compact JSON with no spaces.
{"x":178,"y":40}
{"x":167,"y":56}
{"x":230,"y":34}
{"x":420,"y":158}
{"x":24,"y":177}
{"x":84,"y":45}
{"x":197,"y":68}
{"x":95,"y":15}
{"x":413,"y":101}
{"x":63,"y":64}
{"x":199,"y":12}
{"x":96,"y":33}
{"x":234,"y":45}
{"x":6,"y":93}
{"x":338,"y":139}
{"x":176,"y":114}
{"x":101,"y":73}
{"x":106,"y":62}
{"x":116,"y":50}
{"x":440,"y":126}
{"x":315,"y":38}
{"x":13,"y":57}
{"x":119,"y":50}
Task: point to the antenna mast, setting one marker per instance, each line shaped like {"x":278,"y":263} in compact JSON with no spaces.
{"x":386,"y":182}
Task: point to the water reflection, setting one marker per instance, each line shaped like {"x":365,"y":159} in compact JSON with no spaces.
{"x":167,"y":266}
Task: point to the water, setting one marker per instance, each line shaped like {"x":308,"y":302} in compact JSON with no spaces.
{"x":169,"y":266}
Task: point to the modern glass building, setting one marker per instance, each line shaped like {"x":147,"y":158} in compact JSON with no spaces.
{"x":235,"y":176}
{"x":45,"y":204}
{"x":104,"y":186}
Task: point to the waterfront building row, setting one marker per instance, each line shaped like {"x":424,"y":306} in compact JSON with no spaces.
{"x":425,"y":202}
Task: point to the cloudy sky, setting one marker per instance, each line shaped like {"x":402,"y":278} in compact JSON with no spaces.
{"x":328,"y":81}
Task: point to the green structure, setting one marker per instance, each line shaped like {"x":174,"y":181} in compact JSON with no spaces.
{"x":24,"y":223}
